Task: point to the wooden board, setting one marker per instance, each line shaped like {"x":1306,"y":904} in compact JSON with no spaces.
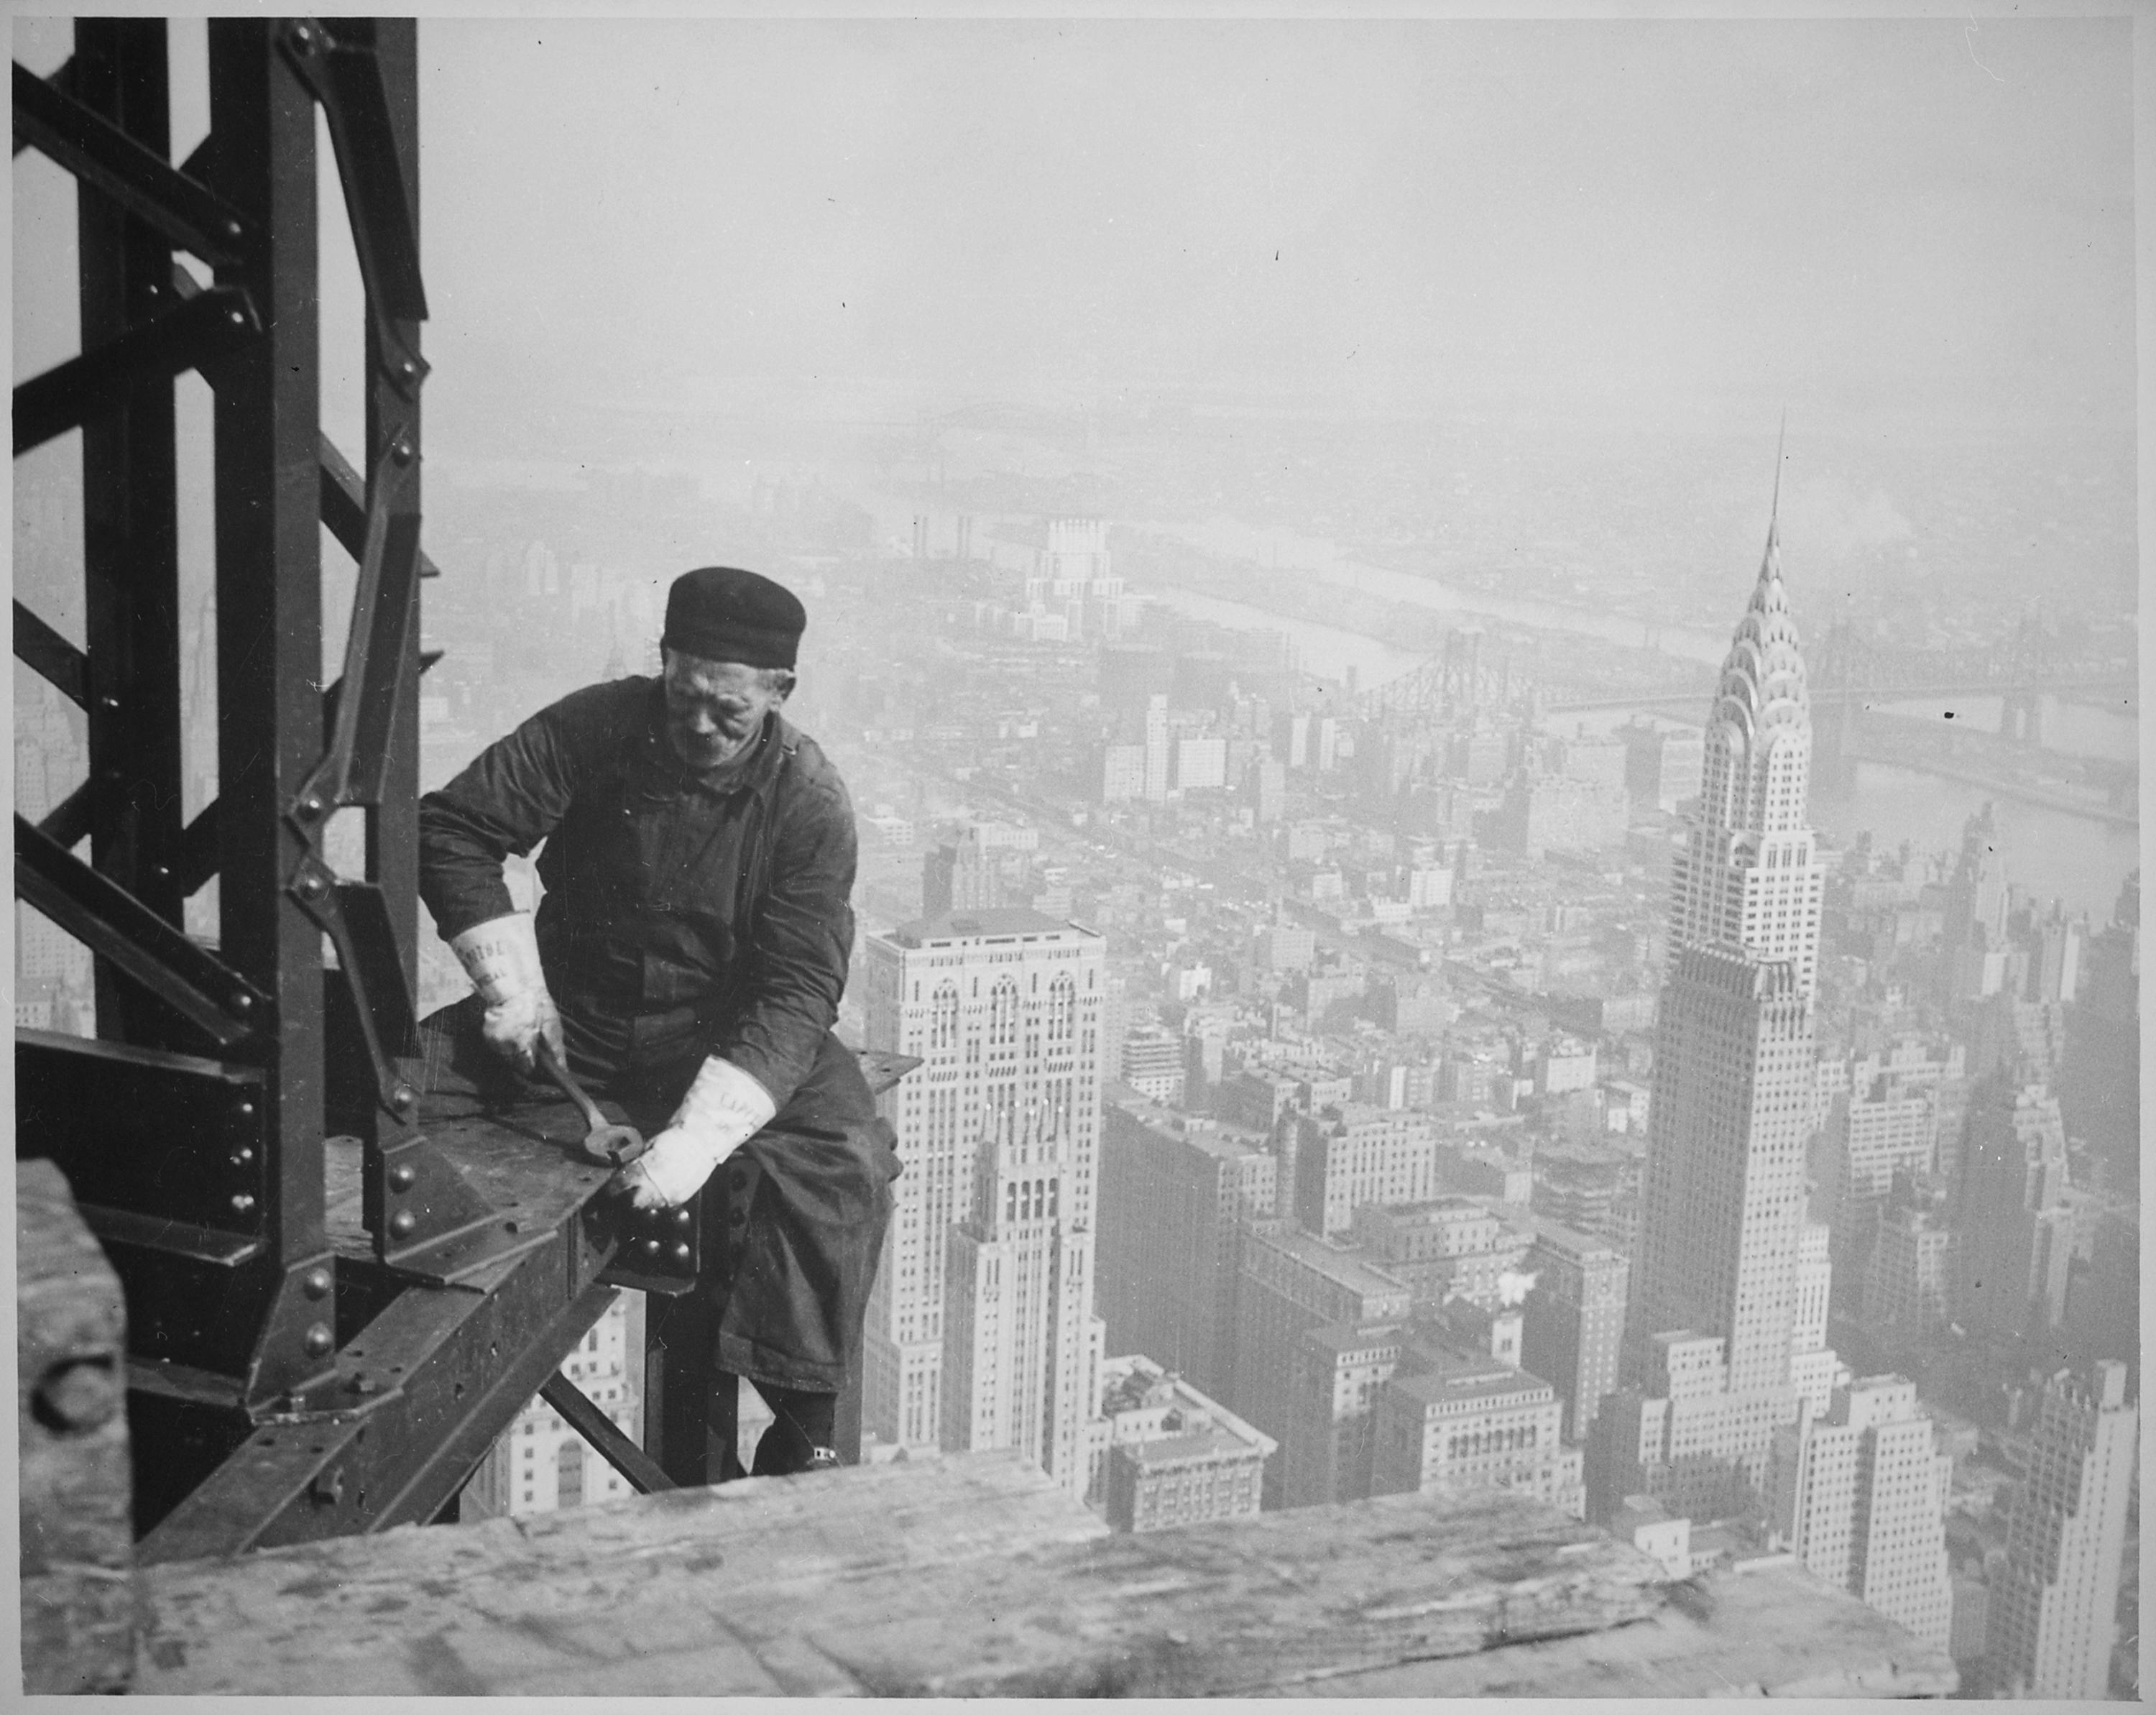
{"x":968,"y":1575}
{"x":643,"y":1594}
{"x":1777,"y":1632}
{"x":70,"y":1356}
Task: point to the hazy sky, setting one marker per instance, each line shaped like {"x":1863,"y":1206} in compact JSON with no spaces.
{"x":1908,"y":216}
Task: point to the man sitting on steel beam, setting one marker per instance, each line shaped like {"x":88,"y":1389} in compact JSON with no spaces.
{"x":688,"y":956}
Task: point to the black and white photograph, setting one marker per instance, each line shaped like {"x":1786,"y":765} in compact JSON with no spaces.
{"x":963,"y":855}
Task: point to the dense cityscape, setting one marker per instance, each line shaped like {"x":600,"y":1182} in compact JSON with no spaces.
{"x":1334,"y":1089}
{"x":1452,"y":947}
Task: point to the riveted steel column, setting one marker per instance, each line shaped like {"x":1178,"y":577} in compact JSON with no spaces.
{"x":131,"y":561}
{"x":270,"y":649}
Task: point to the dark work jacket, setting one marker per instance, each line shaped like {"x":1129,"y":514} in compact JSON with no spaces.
{"x":681,"y":919}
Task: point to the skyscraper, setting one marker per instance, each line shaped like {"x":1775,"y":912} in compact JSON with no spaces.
{"x":1713,"y":1319}
{"x":981,"y":1331}
{"x":1749,"y":875}
{"x":2052,"y":1610}
{"x":1859,"y":1496}
{"x":1173,"y":1207}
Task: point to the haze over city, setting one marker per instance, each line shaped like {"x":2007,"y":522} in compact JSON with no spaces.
{"x":1273,"y":501}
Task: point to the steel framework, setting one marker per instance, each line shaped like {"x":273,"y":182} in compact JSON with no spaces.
{"x":338,"y":1298}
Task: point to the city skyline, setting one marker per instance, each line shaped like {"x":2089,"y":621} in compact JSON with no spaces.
{"x":1438,"y":964}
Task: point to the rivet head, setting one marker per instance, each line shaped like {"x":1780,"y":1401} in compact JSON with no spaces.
{"x":318,"y":1341}
{"x":403,"y":1222}
{"x":303,"y":36}
{"x":649,"y":1247}
{"x":241,"y":1203}
{"x":243,"y":1003}
{"x":242,"y":1156}
{"x":247,"y":1109}
{"x":681,"y":1216}
{"x":680,"y":1253}
{"x":401,"y":451}
{"x":311,"y":805}
{"x":407,"y":368}
{"x":401,"y":1178}
{"x":110,"y":702}
{"x":235,"y":318}
{"x":316,"y":1283}
{"x":311,"y":887}
{"x":403,"y":1097}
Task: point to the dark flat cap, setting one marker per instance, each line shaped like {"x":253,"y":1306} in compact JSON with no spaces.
{"x":723,"y":614}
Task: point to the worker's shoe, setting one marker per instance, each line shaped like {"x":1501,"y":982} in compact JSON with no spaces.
{"x":823,"y":1458}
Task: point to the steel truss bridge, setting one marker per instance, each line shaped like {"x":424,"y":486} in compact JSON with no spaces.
{"x":337,"y":1297}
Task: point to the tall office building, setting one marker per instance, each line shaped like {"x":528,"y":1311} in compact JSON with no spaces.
{"x":1156,"y":749}
{"x":981,"y":1331}
{"x":1292,"y":1283}
{"x":1859,"y":1496}
{"x":1714,"y":1320}
{"x":2014,"y":1174}
{"x":1574,"y":1318}
{"x":2053,"y":1607}
{"x":1723,"y":1193}
{"x":1173,"y":1206}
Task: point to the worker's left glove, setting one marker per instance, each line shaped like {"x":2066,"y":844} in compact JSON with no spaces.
{"x":724,"y":1108}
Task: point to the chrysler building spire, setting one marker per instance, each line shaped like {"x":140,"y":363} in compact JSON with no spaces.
{"x":1750,"y":876}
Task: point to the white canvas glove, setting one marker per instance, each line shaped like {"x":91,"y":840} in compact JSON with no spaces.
{"x":724,"y":1108}
{"x":502,"y":959}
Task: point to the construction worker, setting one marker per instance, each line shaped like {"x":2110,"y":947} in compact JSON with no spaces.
{"x":687,"y":958}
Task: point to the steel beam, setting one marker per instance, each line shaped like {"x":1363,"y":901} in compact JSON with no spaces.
{"x":120,"y":392}
{"x":71,"y":130}
{"x":268,"y":657}
{"x":52,"y":657}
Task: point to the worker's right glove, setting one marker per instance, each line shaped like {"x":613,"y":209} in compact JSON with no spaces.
{"x":502,"y":959}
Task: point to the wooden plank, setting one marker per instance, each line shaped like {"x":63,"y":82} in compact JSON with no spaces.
{"x":78,"y":1538}
{"x":1777,"y":1632}
{"x":970,"y":1575}
{"x":1279,"y":1603}
{"x":642,"y":1595}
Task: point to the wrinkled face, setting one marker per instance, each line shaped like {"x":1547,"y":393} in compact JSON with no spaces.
{"x":715,"y":708}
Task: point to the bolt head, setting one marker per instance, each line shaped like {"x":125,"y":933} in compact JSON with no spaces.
{"x":319,"y":1341}
{"x":401,"y":1178}
{"x":316,"y":1283}
{"x":401,"y":1223}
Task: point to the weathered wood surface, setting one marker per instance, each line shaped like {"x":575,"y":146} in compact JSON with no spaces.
{"x":971,"y":1575}
{"x":70,"y":1356}
{"x":649,"y":1595}
{"x":1777,"y":1632}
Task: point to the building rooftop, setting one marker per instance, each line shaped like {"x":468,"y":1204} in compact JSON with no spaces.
{"x":1339,"y":1336}
{"x":1349,"y":1267}
{"x":996,"y":924}
{"x":1207,"y":1441}
{"x":1456,"y":1376}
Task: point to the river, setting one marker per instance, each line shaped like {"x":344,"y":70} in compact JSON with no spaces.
{"x":2052,"y":853}
{"x":1324,"y":560}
